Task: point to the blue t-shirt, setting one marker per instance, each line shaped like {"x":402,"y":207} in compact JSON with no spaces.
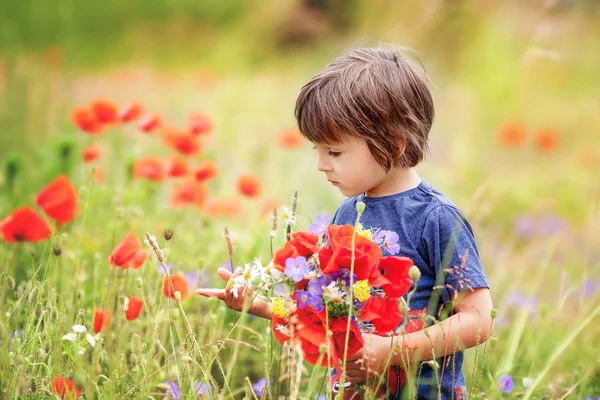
{"x":435,"y":234}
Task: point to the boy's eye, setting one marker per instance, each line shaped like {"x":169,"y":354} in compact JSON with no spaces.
{"x":334,"y":153}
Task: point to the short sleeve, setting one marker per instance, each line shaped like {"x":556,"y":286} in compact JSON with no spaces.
{"x":452,"y":252}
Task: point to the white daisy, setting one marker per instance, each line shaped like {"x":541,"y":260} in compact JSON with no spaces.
{"x":79,"y":328}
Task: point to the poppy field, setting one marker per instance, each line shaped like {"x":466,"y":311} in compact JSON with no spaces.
{"x":126,"y":182}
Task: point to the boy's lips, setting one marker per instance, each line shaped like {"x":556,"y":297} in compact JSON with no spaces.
{"x":334,"y":183}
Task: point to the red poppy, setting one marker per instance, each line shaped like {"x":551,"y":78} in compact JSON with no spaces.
{"x":231,"y":207}
{"x":212,"y":207}
{"x":65,"y":387}
{"x":134,"y":308}
{"x":182,"y":142}
{"x":179,"y":284}
{"x":24,"y":225}
{"x":384,"y":314}
{"x":150,"y":168}
{"x":312,"y":334}
{"x":249,"y":185}
{"x":59,"y":200}
{"x":339,"y":254}
{"x":85,"y":120}
{"x":546,"y":140}
{"x":177,"y":166}
{"x":102,"y":320}
{"x":200,"y":124}
{"x":187,"y":193}
{"x":283,"y":329}
{"x":104,"y":111}
{"x":392,"y":276}
{"x":91,"y":152}
{"x":512,"y":134}
{"x":130,"y":112}
{"x":207,"y":169}
{"x":291,"y":139}
{"x":338,"y":327}
{"x":128,"y":253}
{"x":148,"y":123}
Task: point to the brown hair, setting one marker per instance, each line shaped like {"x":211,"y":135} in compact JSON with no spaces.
{"x":373,"y":94}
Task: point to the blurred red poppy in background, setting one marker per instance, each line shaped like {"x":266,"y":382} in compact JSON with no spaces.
{"x":24,"y":225}
{"x":128,"y":253}
{"x":59,"y":200}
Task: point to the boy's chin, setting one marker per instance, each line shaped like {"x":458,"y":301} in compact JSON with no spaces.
{"x":349,"y":193}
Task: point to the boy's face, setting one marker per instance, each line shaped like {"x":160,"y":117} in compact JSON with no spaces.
{"x":350,"y":166}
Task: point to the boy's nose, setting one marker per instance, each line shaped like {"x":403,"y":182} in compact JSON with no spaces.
{"x":323,"y":166}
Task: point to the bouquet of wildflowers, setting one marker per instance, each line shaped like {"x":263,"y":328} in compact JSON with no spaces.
{"x":328,"y":284}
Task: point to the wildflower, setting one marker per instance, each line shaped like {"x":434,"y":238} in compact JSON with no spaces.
{"x":91,"y":152}
{"x":207,"y":169}
{"x":151,"y":241}
{"x":182,"y":142}
{"x":128,"y":253}
{"x":130,"y":112}
{"x":79,"y":328}
{"x":320,"y":225}
{"x":361,"y":231}
{"x":189,"y":192}
{"x":512,"y":134}
{"x":288,"y":216}
{"x":332,"y":293}
{"x":202,"y":388}
{"x":104,"y":111}
{"x":315,"y":287}
{"x":177,"y":166}
{"x":179,"y":285}
{"x":295,"y":268}
{"x":199,"y":124}
{"x":62,"y":386}
{"x":148,"y":123}
{"x":361,"y":290}
{"x":546,"y":140}
{"x":71,"y":337}
{"x":134,"y":308}
{"x":102,"y":320}
{"x":150,"y":168}
{"x":24,"y":225}
{"x":59,"y":200}
{"x":249,"y":185}
{"x":85,"y":120}
{"x":290,"y":139}
{"x":389,"y":241}
{"x":506,"y":383}
{"x":259,"y":386}
{"x":277,"y":307}
{"x":173,"y":390}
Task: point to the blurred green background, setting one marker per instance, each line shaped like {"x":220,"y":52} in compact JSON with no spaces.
{"x":497,"y":67}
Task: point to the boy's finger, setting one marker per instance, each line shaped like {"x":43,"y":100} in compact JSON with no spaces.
{"x":216,"y":293}
{"x":224,"y":274}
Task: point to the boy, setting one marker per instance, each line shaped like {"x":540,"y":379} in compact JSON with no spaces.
{"x":369,"y":114}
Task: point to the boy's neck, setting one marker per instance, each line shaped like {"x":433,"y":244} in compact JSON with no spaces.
{"x":398,"y":180}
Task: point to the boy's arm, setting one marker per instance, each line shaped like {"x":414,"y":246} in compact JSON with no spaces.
{"x":469,"y":326}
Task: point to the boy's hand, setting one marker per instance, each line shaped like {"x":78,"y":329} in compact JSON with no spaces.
{"x":369,"y":361}
{"x":226,"y":295}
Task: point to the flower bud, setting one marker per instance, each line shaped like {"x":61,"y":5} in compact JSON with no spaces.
{"x":415,"y":273}
{"x":10,"y":282}
{"x":493,"y":313}
{"x":323,"y":349}
{"x":178,"y":296}
{"x":433,"y":364}
{"x":56,"y":250}
{"x":360,"y":207}
{"x":168,"y":233}
{"x":139,"y":282}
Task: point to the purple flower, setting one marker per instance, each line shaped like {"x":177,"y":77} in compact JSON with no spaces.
{"x":551,"y":224}
{"x":506,"y":383}
{"x":589,"y":288}
{"x":303,"y":298}
{"x":321,"y":397}
{"x":379,"y":236}
{"x":201,"y":389}
{"x":343,"y":274}
{"x":192,"y":279}
{"x":173,"y":391}
{"x":525,"y":226}
{"x":295,"y":268}
{"x":319,"y":227}
{"x":170,"y":267}
{"x":227,"y":266}
{"x":390,"y":242}
{"x":316,"y":287}
{"x":259,"y":386}
{"x":520,"y":300}
{"x":316,"y":302}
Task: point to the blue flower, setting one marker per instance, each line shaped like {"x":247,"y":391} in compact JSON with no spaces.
{"x":316,"y":302}
{"x":506,"y":383}
{"x":390,"y":242}
{"x":201,"y":388}
{"x":319,"y":227}
{"x":259,"y":386}
{"x":295,"y":268}
{"x":316,"y":287}
{"x":173,"y":391}
{"x":303,"y":298}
